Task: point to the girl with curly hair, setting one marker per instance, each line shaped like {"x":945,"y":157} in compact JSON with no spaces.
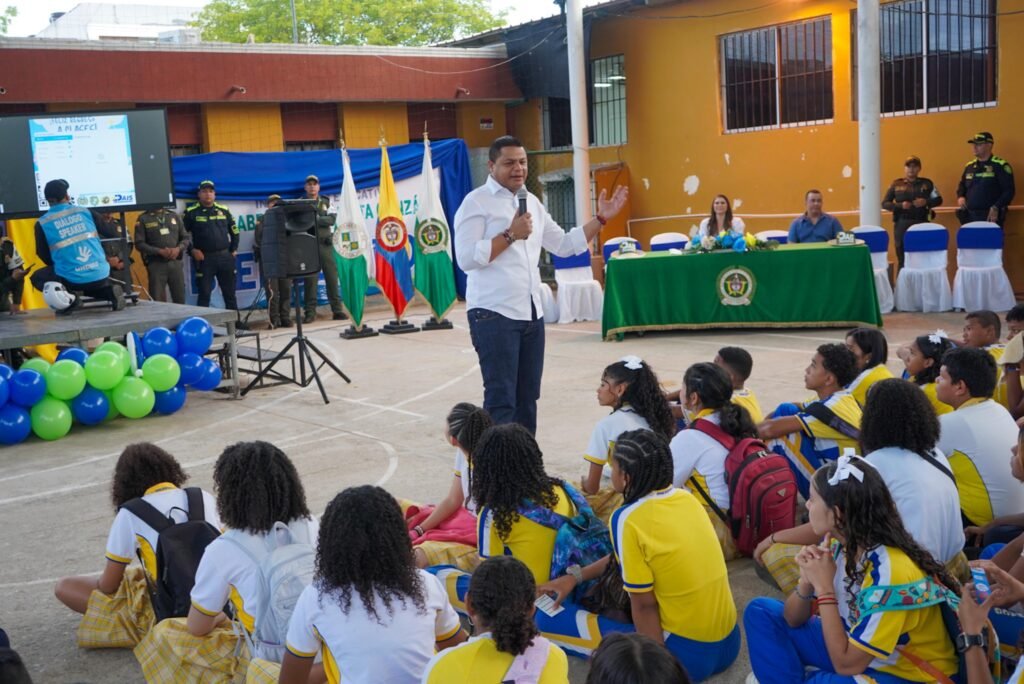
{"x":878,"y":594}
{"x":923,"y":359}
{"x":370,"y":612}
{"x":507,"y":643}
{"x":116,"y":605}
{"x":630,"y":388}
{"x":871,"y":351}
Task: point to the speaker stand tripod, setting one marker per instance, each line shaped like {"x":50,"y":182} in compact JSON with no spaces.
{"x":305,"y":351}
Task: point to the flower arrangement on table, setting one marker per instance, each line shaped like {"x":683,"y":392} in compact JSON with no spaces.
{"x":729,"y":240}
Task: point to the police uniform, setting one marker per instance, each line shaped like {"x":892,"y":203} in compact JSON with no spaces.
{"x":112,"y":248}
{"x":12,"y":275}
{"x":279,"y":290}
{"x":215,"y":234}
{"x":985,"y":184}
{"x":324,"y":231}
{"x":905,"y":190}
{"x":156,"y":230}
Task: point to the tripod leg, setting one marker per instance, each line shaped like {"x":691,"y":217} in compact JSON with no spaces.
{"x":266,"y":369}
{"x":328,"y":362}
{"x":304,"y":346}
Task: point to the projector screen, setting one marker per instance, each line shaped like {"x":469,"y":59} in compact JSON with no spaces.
{"x":112,"y":161}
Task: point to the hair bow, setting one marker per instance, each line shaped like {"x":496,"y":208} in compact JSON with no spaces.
{"x":937,"y":336}
{"x":632,"y":362}
{"x":845,"y":468}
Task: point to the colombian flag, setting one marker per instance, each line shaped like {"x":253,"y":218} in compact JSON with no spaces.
{"x":391,"y":246}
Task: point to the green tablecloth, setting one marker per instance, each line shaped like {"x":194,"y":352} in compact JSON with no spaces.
{"x":794,"y":286}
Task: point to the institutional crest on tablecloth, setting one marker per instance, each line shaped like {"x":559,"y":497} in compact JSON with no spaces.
{"x":736,"y":285}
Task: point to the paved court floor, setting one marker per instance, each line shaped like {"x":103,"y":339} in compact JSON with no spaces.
{"x":384,"y":428}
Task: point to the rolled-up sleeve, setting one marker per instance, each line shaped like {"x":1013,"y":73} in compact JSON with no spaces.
{"x":560,"y":243}
{"x":472,"y":250}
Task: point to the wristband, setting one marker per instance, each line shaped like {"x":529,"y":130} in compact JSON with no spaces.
{"x":1012,"y":367}
{"x":809,"y":597}
{"x":509,"y":237}
{"x":418,"y":530}
{"x":601,"y":219}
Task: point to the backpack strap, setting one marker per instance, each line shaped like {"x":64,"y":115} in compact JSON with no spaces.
{"x":527,"y":667}
{"x":708,"y":500}
{"x":147,"y":513}
{"x":544,"y":516}
{"x":196,"y":508}
{"x":924,"y":666}
{"x":930,"y":458}
{"x":715,"y":432}
{"x":817,"y":409}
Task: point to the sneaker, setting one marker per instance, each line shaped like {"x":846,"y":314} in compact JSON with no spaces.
{"x":310,"y":317}
{"x":286,"y":323}
{"x":75,"y":303}
{"x":117,"y":303}
{"x":275,"y":323}
{"x":340,"y":316}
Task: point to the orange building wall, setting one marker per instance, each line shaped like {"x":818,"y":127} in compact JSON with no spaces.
{"x":363,"y":123}
{"x":468,"y":116}
{"x":242,"y":128}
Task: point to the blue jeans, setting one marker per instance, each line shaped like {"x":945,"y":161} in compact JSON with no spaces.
{"x":511,"y":357}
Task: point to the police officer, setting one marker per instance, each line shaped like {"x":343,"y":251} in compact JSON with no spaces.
{"x":324,"y":229}
{"x":214,"y":243}
{"x":112,"y":248}
{"x":279,"y":290}
{"x":986,"y":186}
{"x":162,"y":241}
{"x":910,"y":199}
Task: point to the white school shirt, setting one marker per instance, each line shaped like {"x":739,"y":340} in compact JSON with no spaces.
{"x":607,"y":431}
{"x":357,"y":649}
{"x":463,"y":472}
{"x":926,"y":498}
{"x":509,"y":283}
{"x":695,"y":454}
{"x":225,"y":571}
{"x":737,"y":226}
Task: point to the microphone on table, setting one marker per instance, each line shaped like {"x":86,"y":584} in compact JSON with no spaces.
{"x":521,"y":196}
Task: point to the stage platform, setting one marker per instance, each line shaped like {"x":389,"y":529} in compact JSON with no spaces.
{"x":43,"y":326}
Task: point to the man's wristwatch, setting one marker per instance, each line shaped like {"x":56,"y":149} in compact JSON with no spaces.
{"x":509,"y":237}
{"x":966,"y":641}
{"x":577,"y":573}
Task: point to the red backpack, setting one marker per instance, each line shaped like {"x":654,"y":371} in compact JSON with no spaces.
{"x":762,"y":488}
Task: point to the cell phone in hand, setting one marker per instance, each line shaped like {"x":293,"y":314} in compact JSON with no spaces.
{"x":982,"y":589}
{"x":546,"y":605}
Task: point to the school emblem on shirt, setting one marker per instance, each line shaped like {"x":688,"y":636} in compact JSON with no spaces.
{"x":736,"y":285}
{"x":346,"y":241}
{"x":391,"y":234}
{"x":432,"y":236}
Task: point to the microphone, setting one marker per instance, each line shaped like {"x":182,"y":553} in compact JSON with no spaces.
{"x":521,"y":196}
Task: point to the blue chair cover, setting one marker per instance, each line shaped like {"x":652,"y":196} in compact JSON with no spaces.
{"x":781,"y":239}
{"x":612,"y":248}
{"x":665,"y":246}
{"x":575,"y":261}
{"x":979,"y":238}
{"x":876,"y":240}
{"x":925,"y":240}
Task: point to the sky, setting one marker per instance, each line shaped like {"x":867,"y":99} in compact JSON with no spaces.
{"x":33,"y":15}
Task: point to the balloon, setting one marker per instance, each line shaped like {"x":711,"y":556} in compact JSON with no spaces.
{"x":170,"y":401}
{"x":15,"y":424}
{"x":27,"y":387}
{"x":120,"y":351}
{"x":211,"y":376}
{"x":37,"y":364}
{"x":91,"y":406}
{"x":5,"y":391}
{"x":65,"y":379}
{"x":51,"y":419}
{"x":112,"y":411}
{"x":159,"y":341}
{"x":76,"y":354}
{"x":104,"y":369}
{"x":6,"y":371}
{"x":194,"y":335}
{"x":135,"y":356}
{"x":161,"y":372}
{"x":191,"y":367}
{"x":134,"y":398}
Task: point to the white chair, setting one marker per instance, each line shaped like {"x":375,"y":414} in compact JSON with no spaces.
{"x":612,"y":245}
{"x":580,"y":297}
{"x":923,"y":283}
{"x":548,"y":303}
{"x":662,"y":242}
{"x":780,"y":236}
{"x":981,"y":282}
{"x":877,"y":240}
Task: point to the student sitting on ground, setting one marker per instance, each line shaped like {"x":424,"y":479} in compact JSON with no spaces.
{"x":117,"y":608}
{"x":982,"y":330}
{"x":870,"y":351}
{"x":507,"y":647}
{"x":699,"y":458}
{"x":977,"y":437}
{"x":738,"y":365}
{"x":816,"y":432}
{"x":1006,"y":528}
{"x":898,"y":433}
{"x":371,"y":614}
{"x":1013,"y":354}
{"x":860,"y":583}
{"x":436,"y":538}
{"x":634,"y":659}
{"x":257,"y":487}
{"x":923,"y":360}
{"x":630,"y":388}
{"x":1006,"y":592}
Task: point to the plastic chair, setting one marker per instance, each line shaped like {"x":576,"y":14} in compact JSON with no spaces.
{"x":580,"y":297}
{"x":548,"y":303}
{"x":981,"y":281}
{"x":780,"y":236}
{"x":877,"y":240}
{"x":662,"y":242}
{"x":923,"y":283}
{"x":612,"y":245}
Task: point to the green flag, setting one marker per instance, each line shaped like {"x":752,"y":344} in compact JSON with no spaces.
{"x":353,"y":250}
{"x":433,"y":276}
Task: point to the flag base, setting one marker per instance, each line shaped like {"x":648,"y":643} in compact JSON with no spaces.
{"x":434,"y":324}
{"x":351,"y":333}
{"x":398,"y":327}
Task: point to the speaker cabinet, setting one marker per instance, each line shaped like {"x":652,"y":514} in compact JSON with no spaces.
{"x":289,"y":246}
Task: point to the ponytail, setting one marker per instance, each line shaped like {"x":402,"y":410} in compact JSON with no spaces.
{"x":714,"y":388}
{"x":466,"y":424}
{"x":643,"y":393}
{"x":501,"y":594}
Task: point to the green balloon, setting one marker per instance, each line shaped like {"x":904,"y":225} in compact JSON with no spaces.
{"x":161,"y":372}
{"x":122,"y":353}
{"x":65,"y":379}
{"x":112,"y":412}
{"x":37,"y":364}
{"x":104,"y":370}
{"x":134,"y":398}
{"x":51,"y":418}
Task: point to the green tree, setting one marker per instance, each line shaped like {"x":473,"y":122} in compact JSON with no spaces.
{"x":346,"y":22}
{"x":5,"y":18}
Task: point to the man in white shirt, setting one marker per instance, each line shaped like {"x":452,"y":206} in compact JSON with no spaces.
{"x":499,"y":248}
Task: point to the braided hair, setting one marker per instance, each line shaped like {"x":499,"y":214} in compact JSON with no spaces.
{"x":257,"y":485}
{"x":508,"y":470}
{"x":934,"y":351}
{"x":714,"y":388}
{"x":466,"y":423}
{"x":501,"y":595}
{"x":644,"y":394}
{"x":644,"y":458}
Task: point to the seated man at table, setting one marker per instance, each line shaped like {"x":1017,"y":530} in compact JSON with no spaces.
{"x":812,"y":433}
{"x":814,"y":225}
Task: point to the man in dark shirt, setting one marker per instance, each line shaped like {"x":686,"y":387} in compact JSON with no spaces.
{"x":910,"y":199}
{"x":214,"y":244}
{"x":986,"y":185}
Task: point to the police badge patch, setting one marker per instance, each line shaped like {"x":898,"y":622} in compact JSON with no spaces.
{"x":391,"y":234}
{"x":736,"y":285}
{"x":432,"y":236}
{"x":346,"y":241}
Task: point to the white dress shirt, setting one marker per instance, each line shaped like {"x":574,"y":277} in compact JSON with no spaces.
{"x":507,"y":284}
{"x":737,"y":226}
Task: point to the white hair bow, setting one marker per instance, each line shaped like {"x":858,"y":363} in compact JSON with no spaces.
{"x":937,"y":336}
{"x":845,"y":468}
{"x":632,"y":362}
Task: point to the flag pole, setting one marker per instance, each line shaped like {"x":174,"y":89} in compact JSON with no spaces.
{"x":353,"y":332}
{"x":399,"y":326}
{"x":432,"y":323}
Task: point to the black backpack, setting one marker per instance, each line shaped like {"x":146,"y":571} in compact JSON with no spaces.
{"x":179,"y":547}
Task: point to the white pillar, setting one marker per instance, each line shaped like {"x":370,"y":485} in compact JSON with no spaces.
{"x":869,"y":112}
{"x":578,"y":109}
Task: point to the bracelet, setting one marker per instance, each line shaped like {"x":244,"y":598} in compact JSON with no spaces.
{"x":509,"y":236}
{"x":601,"y":219}
{"x":828,"y":602}
{"x":827,"y":594}
{"x":1012,"y":368}
{"x":418,"y":530}
{"x":771,"y":538}
{"x":809,"y":597}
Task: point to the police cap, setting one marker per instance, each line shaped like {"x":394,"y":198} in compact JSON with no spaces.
{"x":912,"y":160}
{"x":982,"y":137}
{"x":312,"y":179}
{"x":207,"y":184}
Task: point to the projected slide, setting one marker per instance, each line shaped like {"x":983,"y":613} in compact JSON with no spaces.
{"x":92,"y":153}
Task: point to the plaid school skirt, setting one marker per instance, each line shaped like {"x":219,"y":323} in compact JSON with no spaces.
{"x":462,"y":556}
{"x":604,"y":503}
{"x":121,"y":620}
{"x":169,"y":654}
{"x":724,"y":535}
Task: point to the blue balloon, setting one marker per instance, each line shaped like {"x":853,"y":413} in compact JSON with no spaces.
{"x":211,"y":376}
{"x":15,"y":424}
{"x":91,"y":406}
{"x":159,"y":341}
{"x":194,"y":335}
{"x":28,"y":387}
{"x":5,"y":391}
{"x":170,"y":401}
{"x":76,"y":354}
{"x":191,"y":367}
{"x":6,"y":371}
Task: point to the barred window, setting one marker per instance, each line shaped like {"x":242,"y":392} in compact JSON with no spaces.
{"x":184,"y":150}
{"x":777,"y":76}
{"x":310,"y":146}
{"x":609,"y":100}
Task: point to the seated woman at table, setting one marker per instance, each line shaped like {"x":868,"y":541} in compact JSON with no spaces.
{"x":721,"y":219}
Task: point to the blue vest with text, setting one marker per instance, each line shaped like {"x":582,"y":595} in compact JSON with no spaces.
{"x":74,"y":244}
